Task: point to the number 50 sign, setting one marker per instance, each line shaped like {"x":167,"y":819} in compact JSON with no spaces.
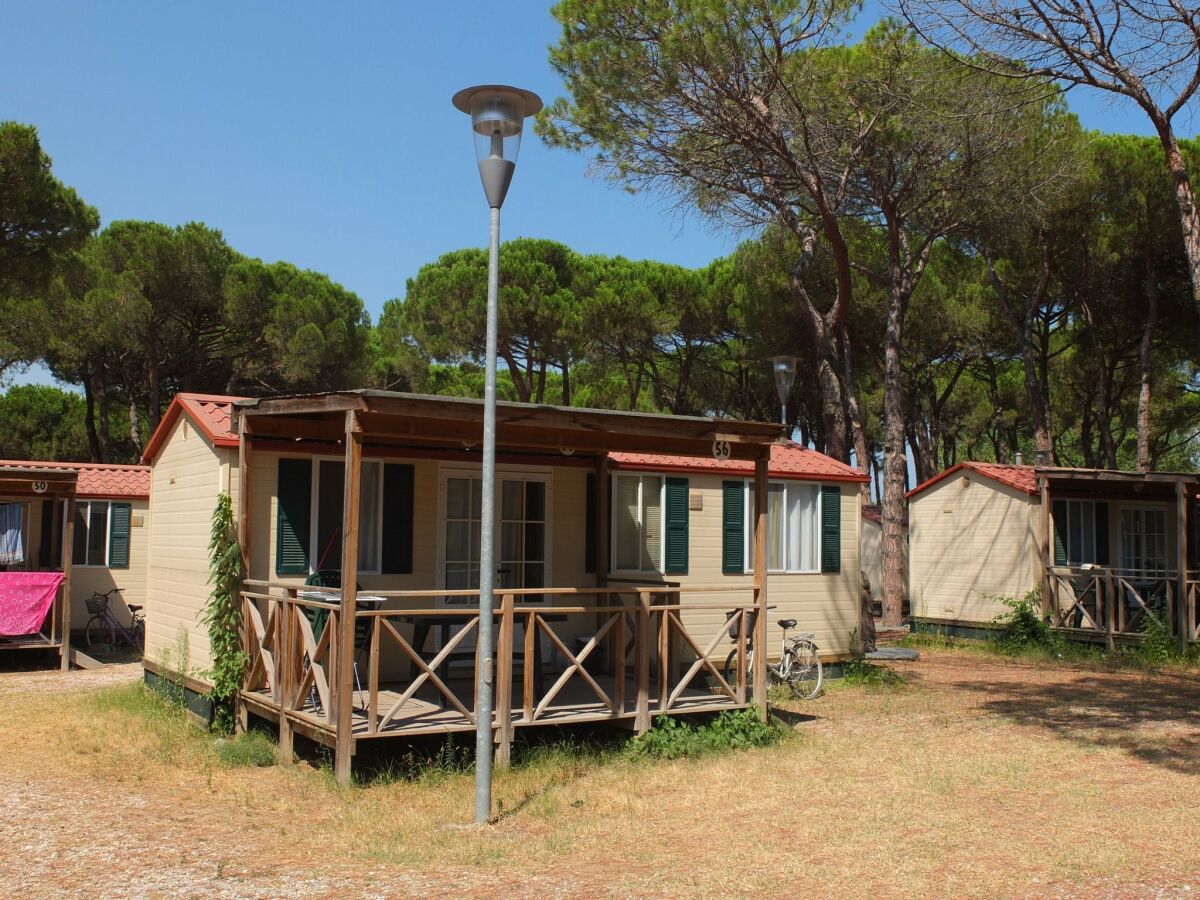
{"x":722,"y":450}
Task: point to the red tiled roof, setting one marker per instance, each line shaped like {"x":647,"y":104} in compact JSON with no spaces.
{"x":99,"y":480}
{"x":211,"y":413}
{"x":1021,"y":478}
{"x":789,"y":460}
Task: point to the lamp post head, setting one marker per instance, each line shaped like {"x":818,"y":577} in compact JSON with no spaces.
{"x":785,"y":376}
{"x":498,"y":114}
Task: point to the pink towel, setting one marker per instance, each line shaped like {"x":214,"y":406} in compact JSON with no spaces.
{"x":25,"y":598}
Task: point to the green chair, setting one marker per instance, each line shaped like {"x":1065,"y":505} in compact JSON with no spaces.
{"x":317,"y":617}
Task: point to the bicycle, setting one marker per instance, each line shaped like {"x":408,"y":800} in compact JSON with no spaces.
{"x":103,"y":627}
{"x":799,"y":665}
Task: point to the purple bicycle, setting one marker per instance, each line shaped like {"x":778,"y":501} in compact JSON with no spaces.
{"x":104,"y":628}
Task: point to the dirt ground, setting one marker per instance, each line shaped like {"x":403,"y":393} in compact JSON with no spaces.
{"x":980,"y":777}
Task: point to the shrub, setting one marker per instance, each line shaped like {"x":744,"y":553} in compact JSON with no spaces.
{"x":673,"y":738}
{"x":253,"y":749}
{"x":1023,"y":628}
{"x":1158,"y":644}
{"x":867,"y":674}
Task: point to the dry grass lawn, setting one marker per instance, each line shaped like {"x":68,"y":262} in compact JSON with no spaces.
{"x":980,"y":777}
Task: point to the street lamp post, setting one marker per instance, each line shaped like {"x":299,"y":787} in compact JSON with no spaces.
{"x":785,"y":377}
{"x":498,"y":116}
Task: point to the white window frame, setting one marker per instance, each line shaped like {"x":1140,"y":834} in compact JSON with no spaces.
{"x":748,"y":551}
{"x":315,"y":514}
{"x":544,"y":474}
{"x":662,"y":528}
{"x":1166,"y":536}
{"x":80,"y":504}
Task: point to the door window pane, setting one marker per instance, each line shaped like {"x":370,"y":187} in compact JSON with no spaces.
{"x":369,"y":517}
{"x":626,"y":514}
{"x":462,"y":536}
{"x":652,"y":523}
{"x":97,"y":534}
{"x":776,"y":528}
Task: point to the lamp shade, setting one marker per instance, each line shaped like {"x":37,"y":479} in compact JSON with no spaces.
{"x":498,"y":114}
{"x":785,"y":376}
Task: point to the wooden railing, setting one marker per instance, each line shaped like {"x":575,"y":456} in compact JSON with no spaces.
{"x":636,"y":658}
{"x":1113,"y":602}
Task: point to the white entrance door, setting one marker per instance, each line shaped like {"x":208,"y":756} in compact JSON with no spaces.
{"x":522,"y":532}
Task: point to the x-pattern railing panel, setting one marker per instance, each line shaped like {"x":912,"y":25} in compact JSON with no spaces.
{"x":702,"y":660}
{"x":427,"y":671}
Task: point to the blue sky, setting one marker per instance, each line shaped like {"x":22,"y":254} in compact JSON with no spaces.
{"x":323,"y":134}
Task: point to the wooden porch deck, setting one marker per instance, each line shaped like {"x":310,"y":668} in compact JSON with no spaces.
{"x":423,"y":714}
{"x":616,"y":655}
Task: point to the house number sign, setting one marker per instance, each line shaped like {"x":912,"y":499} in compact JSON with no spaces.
{"x":722,"y":450}
{"x":39,"y":487}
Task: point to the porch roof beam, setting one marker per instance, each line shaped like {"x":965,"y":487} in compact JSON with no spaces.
{"x":520,"y":432}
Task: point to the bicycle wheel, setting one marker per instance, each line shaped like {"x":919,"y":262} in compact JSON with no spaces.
{"x":804,"y":672}
{"x":98,"y":632}
{"x":730,"y":669}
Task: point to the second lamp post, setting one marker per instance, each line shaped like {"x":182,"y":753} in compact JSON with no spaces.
{"x":498,"y":116}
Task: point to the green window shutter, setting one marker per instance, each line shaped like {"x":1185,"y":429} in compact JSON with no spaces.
{"x":294,"y":506}
{"x":118,"y":536}
{"x":831,"y":528}
{"x":397,"y":519}
{"x":733,"y":527}
{"x":1101,"y":534}
{"x":677,"y":526}
{"x":1060,"y":527}
{"x":589,"y":526}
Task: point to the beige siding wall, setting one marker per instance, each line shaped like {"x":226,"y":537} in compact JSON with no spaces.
{"x":826,"y":604}
{"x":185,"y":480}
{"x":971,"y":540}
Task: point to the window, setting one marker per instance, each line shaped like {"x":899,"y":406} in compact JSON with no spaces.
{"x":1075,"y":532}
{"x":328,"y":493}
{"x":101,"y":534}
{"x":464,"y":510}
{"x":1144,"y":539}
{"x":793,"y":527}
{"x":637,"y":523}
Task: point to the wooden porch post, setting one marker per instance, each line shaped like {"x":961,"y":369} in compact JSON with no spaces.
{"x":243,"y":537}
{"x":1046,"y":558}
{"x":1181,"y":559}
{"x":344,"y":702}
{"x":504,"y":677}
{"x":760,"y":583}
{"x":68,"y":551}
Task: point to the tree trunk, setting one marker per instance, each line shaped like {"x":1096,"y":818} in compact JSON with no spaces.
{"x":894,"y":462}
{"x":821,"y":330}
{"x":566,"y":380}
{"x":135,"y":434}
{"x":1185,"y":199}
{"x":154,"y":400}
{"x":861,"y":461}
{"x":1023,"y":332}
{"x":1144,"y":461}
{"x":104,"y":411}
{"x":89,"y":400}
{"x":519,"y":381}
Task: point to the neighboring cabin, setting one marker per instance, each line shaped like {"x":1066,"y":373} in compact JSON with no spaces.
{"x":1103,"y":547}
{"x":109,"y":542}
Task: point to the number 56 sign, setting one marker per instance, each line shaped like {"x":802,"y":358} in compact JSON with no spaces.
{"x":721,"y":450}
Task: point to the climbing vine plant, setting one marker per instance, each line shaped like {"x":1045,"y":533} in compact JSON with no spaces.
{"x":222,"y":614}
